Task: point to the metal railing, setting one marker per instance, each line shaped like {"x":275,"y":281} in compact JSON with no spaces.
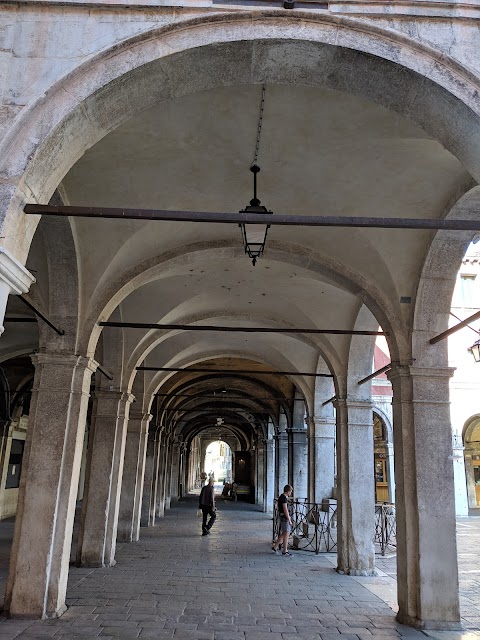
{"x":385,"y":527}
{"x":314,"y":526}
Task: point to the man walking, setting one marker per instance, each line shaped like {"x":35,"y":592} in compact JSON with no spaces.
{"x":206,"y":503}
{"x":285,"y":522}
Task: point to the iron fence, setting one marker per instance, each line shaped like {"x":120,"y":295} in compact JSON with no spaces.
{"x":314,"y":526}
{"x":385,"y":527}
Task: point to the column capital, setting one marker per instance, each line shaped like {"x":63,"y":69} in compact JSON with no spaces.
{"x":323,"y":420}
{"x":358,"y":404}
{"x":138,"y":422}
{"x":101,"y":394}
{"x":323,"y":428}
{"x":404,"y":370}
{"x":65,"y":359}
{"x":14,"y":274}
{"x":65,"y":372}
{"x":112,"y":403}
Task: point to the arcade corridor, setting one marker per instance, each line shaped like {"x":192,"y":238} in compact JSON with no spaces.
{"x":175,"y":584}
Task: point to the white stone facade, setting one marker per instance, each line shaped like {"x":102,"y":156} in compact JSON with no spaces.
{"x":371,"y":109}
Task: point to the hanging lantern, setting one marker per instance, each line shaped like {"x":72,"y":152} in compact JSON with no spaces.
{"x":475,"y":350}
{"x":254,"y":235}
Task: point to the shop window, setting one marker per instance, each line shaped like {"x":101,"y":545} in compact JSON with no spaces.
{"x":467,"y":282}
{"x":476,"y":475}
{"x":15,"y":464}
{"x":380,"y":472}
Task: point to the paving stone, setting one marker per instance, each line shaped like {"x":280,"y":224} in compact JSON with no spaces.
{"x":230,"y":588}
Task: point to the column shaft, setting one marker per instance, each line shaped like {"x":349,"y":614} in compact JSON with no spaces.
{"x":282,"y":462}
{"x":299,"y":457}
{"x":269,"y":474}
{"x":116,"y":484}
{"x":148,"y":513}
{"x":356,"y":497}
{"x":425,"y":500}
{"x":160,"y":498}
{"x":321,"y":455}
{"x":133,"y":476}
{"x":260,"y":475}
{"x":106,"y":430}
{"x":40,"y":551}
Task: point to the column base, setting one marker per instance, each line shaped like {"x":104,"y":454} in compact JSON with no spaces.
{"x":437,"y":625}
{"x":13,"y":615}
{"x":366,"y":573}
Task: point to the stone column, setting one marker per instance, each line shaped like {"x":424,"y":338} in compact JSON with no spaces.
{"x":14,"y":279}
{"x":425,"y":499}
{"x":175,"y":477}
{"x":470,"y":478}
{"x":117,"y":473}
{"x":162,"y":464}
{"x":459,"y":474}
{"x":133,"y":476}
{"x":149,"y":484}
{"x":260,"y":475}
{"x":356,"y":490}
{"x":168,"y":474}
{"x":299,"y":472}
{"x":100,"y":487}
{"x":390,"y":472}
{"x":282,"y":462}
{"x":40,"y":553}
{"x":183,"y":478}
{"x":269,"y":474}
{"x":321,"y":457}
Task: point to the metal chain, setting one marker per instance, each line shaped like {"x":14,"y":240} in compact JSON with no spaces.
{"x":259,"y":130}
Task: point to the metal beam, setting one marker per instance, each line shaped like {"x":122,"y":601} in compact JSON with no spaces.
{"x":212,"y":410}
{"x":31,"y":306}
{"x":202,"y":327}
{"x":375,"y":373}
{"x":106,"y":373}
{"x":332,"y":399}
{"x":460,"y":320}
{"x":219,"y":397}
{"x":231,"y":372}
{"x":457,"y":327}
{"x":252,"y":218}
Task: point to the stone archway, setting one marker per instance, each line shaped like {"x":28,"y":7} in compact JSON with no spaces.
{"x":83,"y":106}
{"x":234,"y":55}
{"x":471,"y":443}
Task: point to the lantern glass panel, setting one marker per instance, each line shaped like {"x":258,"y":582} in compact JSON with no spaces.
{"x":475,"y":349}
{"x":255,"y":233}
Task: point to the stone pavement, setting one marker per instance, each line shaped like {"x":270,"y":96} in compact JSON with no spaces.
{"x":468,"y":541}
{"x":176,"y":584}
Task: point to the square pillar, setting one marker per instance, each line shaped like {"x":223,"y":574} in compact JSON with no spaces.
{"x":260,"y":474}
{"x":40,"y":553}
{"x":161,"y":477}
{"x":133,"y":477}
{"x":117,"y":474}
{"x":108,"y":422}
{"x":269,"y":474}
{"x":175,"y":476}
{"x":299,"y":463}
{"x":149,"y":483}
{"x":321,"y":458}
{"x":427,"y":572}
{"x":282,"y":462}
{"x":356,"y":489}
